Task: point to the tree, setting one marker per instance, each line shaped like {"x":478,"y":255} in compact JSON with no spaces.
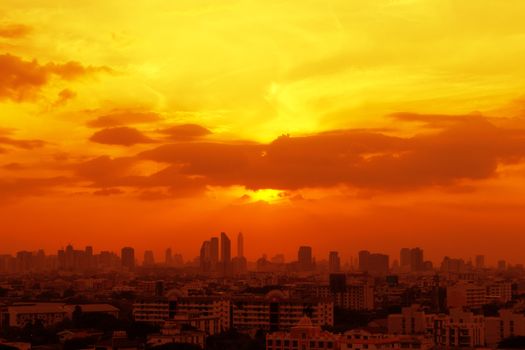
{"x":512,"y":343}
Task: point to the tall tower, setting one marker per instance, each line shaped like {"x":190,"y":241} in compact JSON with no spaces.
{"x":127,"y":257}
{"x":240,"y":245}
{"x":364,"y":260}
{"x":214,"y":253}
{"x":304,"y":257}
{"x":405,"y":257}
{"x":168,"y":257}
{"x":205,"y":256}
{"x":334,"y":262}
{"x":149,"y":258}
{"x":416,"y":259}
{"x":226,"y":255}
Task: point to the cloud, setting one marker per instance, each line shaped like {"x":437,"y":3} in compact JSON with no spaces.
{"x":108,"y":192}
{"x":105,"y":171}
{"x":21,"y":80}
{"x":24,"y":144}
{"x":469,"y":149}
{"x":64,"y":96}
{"x":123,"y":136}
{"x":186,"y":131}
{"x":17,"y":187}
{"x":14,"y":166}
{"x":122,"y":118}
{"x":460,"y":152}
{"x":108,"y":173}
{"x":14,"y":31}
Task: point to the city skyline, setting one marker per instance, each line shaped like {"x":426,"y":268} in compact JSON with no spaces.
{"x":215,"y":254}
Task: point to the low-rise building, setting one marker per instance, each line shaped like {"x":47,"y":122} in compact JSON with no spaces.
{"x":305,"y":336}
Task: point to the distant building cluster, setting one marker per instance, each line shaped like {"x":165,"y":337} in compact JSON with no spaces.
{"x":111,"y":301}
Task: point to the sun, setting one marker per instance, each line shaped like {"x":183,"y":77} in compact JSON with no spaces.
{"x":267,"y":195}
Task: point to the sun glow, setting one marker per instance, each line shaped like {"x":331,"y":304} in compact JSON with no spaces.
{"x":267,"y":195}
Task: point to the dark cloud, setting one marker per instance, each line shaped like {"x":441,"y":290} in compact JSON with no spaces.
{"x":185,"y":131}
{"x":24,"y":144}
{"x":470,"y":148}
{"x":123,"y":118}
{"x":123,"y":136}
{"x":64,"y":96}
{"x":21,"y":80}
{"x":14,"y":31}
{"x":107,"y":173}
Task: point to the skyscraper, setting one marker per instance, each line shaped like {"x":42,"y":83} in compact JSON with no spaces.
{"x":225,"y":255}
{"x":364,"y":257}
{"x":205,"y":257}
{"x":214,"y":253}
{"x":480,"y":261}
{"x":304,"y":258}
{"x":89,"y":259}
{"x":239,"y":263}
{"x":404,"y":258}
{"x":168,"y":258}
{"x":334,"y":262}
{"x":416,"y":259}
{"x":411,"y":259}
{"x":149,"y":258}
{"x":240,"y":245}
{"x":374,"y":263}
{"x":127,"y":256}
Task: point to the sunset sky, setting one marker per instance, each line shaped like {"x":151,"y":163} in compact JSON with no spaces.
{"x":342,"y":124}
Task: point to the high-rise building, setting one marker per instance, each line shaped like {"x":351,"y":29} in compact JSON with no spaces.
{"x":127,"y":256}
{"x":89,"y":259}
{"x":364,"y":257}
{"x":305,"y":259}
{"x":205,"y":256}
{"x":240,"y":245}
{"x":69,"y":257}
{"x":334,"y":262}
{"x":411,"y":259}
{"x":379,"y":263}
{"x":149,"y":258}
{"x":374,"y":263}
{"x":168,"y":257}
{"x":480,"y":261}
{"x":416,"y":259}
{"x":405,"y":258}
{"x":214,"y":253}
{"x":225,"y":255}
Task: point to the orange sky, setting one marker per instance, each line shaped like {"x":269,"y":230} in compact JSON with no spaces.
{"x":337,"y":123}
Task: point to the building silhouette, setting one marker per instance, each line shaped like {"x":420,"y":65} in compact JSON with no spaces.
{"x":214,"y":253}
{"x":149,"y":258}
{"x":305,"y":259}
{"x":226,"y":268}
{"x":334,"y":262}
{"x":127,"y":256}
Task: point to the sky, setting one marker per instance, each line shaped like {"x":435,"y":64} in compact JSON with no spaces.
{"x":340,"y":124}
